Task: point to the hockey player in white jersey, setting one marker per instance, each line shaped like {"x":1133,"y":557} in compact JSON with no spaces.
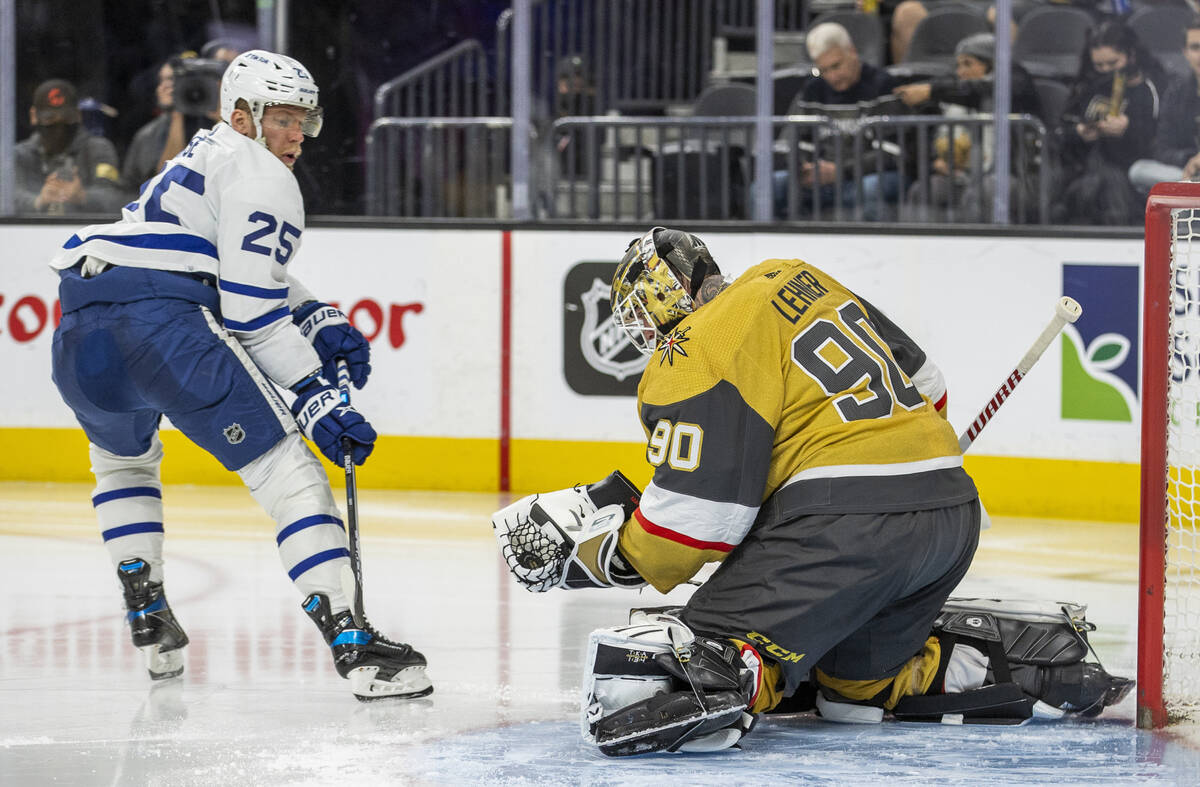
{"x":186,"y":308}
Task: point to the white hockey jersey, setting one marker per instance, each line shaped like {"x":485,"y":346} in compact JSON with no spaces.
{"x":228,"y":207}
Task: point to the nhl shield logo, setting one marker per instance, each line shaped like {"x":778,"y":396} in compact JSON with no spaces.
{"x":234,"y":433}
{"x":601,"y":341}
{"x":598,"y":358}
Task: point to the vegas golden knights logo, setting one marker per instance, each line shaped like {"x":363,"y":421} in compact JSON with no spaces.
{"x":598,"y":358}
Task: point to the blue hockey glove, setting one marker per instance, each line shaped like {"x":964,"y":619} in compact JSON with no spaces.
{"x":333,"y":337}
{"x":326,"y":419}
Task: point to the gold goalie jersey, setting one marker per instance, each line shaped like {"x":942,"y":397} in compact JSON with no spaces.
{"x":786,"y":395}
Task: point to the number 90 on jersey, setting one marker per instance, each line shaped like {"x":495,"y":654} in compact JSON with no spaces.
{"x":676,"y":444}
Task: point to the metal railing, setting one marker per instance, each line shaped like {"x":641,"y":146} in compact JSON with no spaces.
{"x":638,"y":54}
{"x":638,"y":168}
{"x":892,"y":170}
{"x":740,"y":16}
{"x":454,"y":83}
{"x":439,"y":167}
{"x":702,"y":168}
{"x":964,"y":190}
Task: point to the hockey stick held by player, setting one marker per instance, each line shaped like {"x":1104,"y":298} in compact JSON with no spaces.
{"x":188,"y":307}
{"x":798,"y":438}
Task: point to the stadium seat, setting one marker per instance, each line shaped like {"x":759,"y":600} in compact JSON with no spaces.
{"x":1053,"y":96}
{"x":788,"y":83}
{"x":1050,"y":40}
{"x":733,"y":99}
{"x":931,"y":51}
{"x":1161,"y":29}
{"x":866,"y":31}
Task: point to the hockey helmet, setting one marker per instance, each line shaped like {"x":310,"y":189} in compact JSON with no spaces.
{"x":653,"y":287}
{"x":264,"y":79}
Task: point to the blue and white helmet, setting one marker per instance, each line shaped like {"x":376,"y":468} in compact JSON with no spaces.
{"x":263,"y":79}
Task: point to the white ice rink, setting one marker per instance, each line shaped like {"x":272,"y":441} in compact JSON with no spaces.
{"x":260,"y":702}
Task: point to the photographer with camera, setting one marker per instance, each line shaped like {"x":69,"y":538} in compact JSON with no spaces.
{"x":61,"y":168}
{"x":187,"y":97}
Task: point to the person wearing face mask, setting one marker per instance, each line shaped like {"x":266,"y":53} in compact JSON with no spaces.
{"x":1110,"y":122}
{"x":61,"y":168}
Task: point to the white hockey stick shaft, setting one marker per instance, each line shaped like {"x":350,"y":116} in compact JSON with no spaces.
{"x":1067,"y":310}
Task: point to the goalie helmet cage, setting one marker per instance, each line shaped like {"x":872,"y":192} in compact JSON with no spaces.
{"x":1168,"y":689}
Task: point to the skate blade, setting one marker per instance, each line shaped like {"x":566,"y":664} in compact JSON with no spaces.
{"x":406,"y":684}
{"x":163,"y":664}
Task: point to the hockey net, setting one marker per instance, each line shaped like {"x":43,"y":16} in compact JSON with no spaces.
{"x":1169,"y":598}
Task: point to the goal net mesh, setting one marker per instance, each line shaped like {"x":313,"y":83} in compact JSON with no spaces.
{"x":1181,"y":595}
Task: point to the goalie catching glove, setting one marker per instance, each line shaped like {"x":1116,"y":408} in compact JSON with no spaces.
{"x":568,"y":538}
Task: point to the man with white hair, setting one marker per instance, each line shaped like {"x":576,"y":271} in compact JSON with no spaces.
{"x":843,"y":78}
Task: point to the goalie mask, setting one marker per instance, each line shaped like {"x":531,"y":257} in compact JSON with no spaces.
{"x":264,"y":79}
{"x":654,"y":284}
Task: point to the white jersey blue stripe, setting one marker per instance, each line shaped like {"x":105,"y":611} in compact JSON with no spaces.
{"x":225,"y":206}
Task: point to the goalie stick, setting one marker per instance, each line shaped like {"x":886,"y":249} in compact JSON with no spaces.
{"x":351,"y":574}
{"x":1067,"y":310}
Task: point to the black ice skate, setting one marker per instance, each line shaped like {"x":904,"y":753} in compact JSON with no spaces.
{"x":152,"y":625}
{"x":375,"y":666}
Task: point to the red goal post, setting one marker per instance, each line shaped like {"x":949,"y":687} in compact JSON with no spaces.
{"x":1168,"y":688}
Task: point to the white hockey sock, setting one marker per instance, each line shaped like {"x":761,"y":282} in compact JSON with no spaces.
{"x":291,"y":486}
{"x":128,"y":503}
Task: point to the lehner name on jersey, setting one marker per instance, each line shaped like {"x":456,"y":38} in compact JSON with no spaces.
{"x":797,"y":294}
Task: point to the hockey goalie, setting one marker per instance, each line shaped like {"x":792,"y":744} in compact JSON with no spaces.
{"x":798,"y":438}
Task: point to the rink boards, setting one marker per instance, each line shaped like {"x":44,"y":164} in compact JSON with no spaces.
{"x":495,"y":365}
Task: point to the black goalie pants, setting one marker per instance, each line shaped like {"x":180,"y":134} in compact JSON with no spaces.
{"x":854,"y":594}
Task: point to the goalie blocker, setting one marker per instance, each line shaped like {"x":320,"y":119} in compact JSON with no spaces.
{"x":655,"y":685}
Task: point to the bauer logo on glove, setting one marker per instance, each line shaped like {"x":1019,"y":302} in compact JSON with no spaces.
{"x":334,"y":338}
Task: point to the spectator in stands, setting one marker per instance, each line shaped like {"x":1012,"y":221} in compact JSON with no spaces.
{"x":1176,"y":151}
{"x":903,"y":19}
{"x":61,"y":168}
{"x":1110,"y":123}
{"x":162,"y":138}
{"x":971,"y":91}
{"x":843,"y":79}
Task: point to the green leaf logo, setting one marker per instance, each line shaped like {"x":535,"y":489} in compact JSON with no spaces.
{"x":1090,"y":391}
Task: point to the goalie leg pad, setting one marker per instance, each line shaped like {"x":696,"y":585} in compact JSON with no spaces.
{"x":1038,"y":647}
{"x":668,"y":722}
{"x":656,"y":686}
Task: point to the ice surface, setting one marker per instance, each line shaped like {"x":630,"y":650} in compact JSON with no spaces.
{"x":260,"y":702}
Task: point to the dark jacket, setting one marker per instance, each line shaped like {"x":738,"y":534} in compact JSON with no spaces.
{"x":872,"y":83}
{"x":93,"y":158}
{"x":1178,"y":137}
{"x":1090,"y":102}
{"x":977,"y":93}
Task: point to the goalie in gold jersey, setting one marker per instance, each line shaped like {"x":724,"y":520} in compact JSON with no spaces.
{"x":798,"y":438}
